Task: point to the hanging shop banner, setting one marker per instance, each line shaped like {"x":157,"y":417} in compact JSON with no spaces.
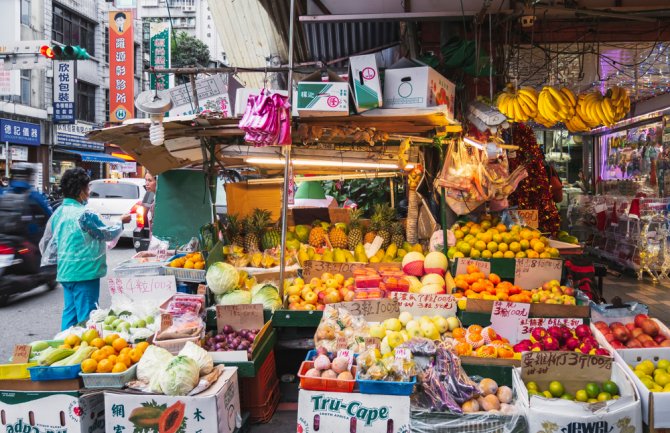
{"x":64,"y":92}
{"x":74,"y":136}
{"x":17,"y":153}
{"x":121,"y":66}
{"x":159,"y":49}
{"x":20,"y":132}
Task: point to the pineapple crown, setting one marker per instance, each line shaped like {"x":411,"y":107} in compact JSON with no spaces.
{"x":234,"y":224}
{"x":257,"y":221}
{"x":355,"y":217}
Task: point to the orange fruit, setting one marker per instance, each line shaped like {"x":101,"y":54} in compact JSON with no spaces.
{"x":135,"y":355}
{"x":109,"y":339}
{"x":112,"y":359}
{"x":142,"y":346}
{"x":463,"y":349}
{"x":475,"y":329}
{"x":104,"y":366}
{"x":98,"y":342}
{"x":119,"y":367}
{"x":108,"y":350}
{"x":125,"y":359}
{"x":72,"y":340}
{"x":89,"y":366}
{"x":119,"y":344}
{"x":124,"y":351}
{"x":98,"y":355}
{"x":458,"y":333}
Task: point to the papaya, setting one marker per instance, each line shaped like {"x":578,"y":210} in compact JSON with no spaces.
{"x":146,"y":417}
{"x":171,"y":419}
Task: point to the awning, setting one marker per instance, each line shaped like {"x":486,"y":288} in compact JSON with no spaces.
{"x":93,"y":156}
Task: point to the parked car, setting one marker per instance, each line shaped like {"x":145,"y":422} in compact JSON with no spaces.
{"x":142,"y":232}
{"x":112,"y":198}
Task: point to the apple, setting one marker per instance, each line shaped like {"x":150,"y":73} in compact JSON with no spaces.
{"x":453,"y":323}
{"x":609,"y":337}
{"x":616,"y":344}
{"x":639,"y":319}
{"x":633,"y":344}
{"x":583,"y":331}
{"x":405,"y":317}
{"x":310,"y":298}
{"x":636,"y":332}
{"x":630,"y":326}
{"x":332,"y":297}
{"x":659,"y":339}
{"x":569,"y":291}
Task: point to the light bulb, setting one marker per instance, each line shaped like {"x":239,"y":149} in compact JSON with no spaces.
{"x":156,"y":130}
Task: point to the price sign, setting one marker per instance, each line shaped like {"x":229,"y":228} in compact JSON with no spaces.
{"x":402,"y":353}
{"x":525,"y":217}
{"x":166,"y":321}
{"x":202,"y":289}
{"x":142,"y":288}
{"x":373,"y":310}
{"x":341,"y":343}
{"x":347,"y":354}
{"x":527,"y":325}
{"x":316,"y":268}
{"x":532,"y":273}
{"x":426,"y":304}
{"x":577,"y":367}
{"x":373,"y":342}
{"x":21,"y":353}
{"x":505,"y":318}
{"x":247,"y":316}
{"x":463,"y":263}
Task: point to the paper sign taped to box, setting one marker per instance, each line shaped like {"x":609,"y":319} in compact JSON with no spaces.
{"x":532,"y":273}
{"x":373,"y":310}
{"x":155,"y":288}
{"x":420,"y":304}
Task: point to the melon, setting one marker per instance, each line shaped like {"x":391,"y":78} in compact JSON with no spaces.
{"x":433,"y":279}
{"x":431,"y":289}
{"x":435,"y":263}
{"x":412,"y":264}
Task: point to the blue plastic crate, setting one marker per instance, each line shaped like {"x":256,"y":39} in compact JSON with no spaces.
{"x":55,"y":373}
{"x":383,"y":387}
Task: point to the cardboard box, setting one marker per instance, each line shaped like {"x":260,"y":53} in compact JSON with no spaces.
{"x":600,"y":338}
{"x":216,"y":409}
{"x":365,"y":85}
{"x":318,"y":98}
{"x":241,"y":317}
{"x":336,"y":412}
{"x":410,"y":84}
{"x":242,"y":96}
{"x":62,"y":412}
{"x":654,"y":404}
{"x":574,"y":371}
{"x":242,"y":198}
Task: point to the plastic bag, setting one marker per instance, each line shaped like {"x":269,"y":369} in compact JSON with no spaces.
{"x":185,"y":326}
{"x":339,"y":324}
{"x":461,"y":177}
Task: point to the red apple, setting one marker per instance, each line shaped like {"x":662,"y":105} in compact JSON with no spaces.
{"x":659,"y":338}
{"x":650,"y":327}
{"x":582,"y":331}
{"x":600,"y":324}
{"x":613,"y":324}
{"x":639,"y":319}
{"x":650,"y":343}
{"x":636,"y":332}
{"x":644,"y":337}
{"x":634,"y":344}
{"x":621,"y":334}
{"x":616,"y":344}
{"x":630,"y":326}
{"x":609,"y":337}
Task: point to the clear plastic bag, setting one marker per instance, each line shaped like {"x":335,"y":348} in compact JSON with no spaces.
{"x":339,"y":327}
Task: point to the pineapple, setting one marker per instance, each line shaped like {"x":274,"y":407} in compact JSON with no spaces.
{"x":234,"y":230}
{"x":397,"y":234}
{"x":386,"y":215}
{"x":317,"y":236}
{"x":355,"y":232}
{"x":338,"y":237}
{"x":254,"y":226}
{"x":375,"y":225}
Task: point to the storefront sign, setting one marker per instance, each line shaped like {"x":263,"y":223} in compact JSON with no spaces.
{"x":20,"y":132}
{"x":121,"y":66}
{"x":214,"y":94}
{"x":74,"y":136}
{"x":64,"y":92}
{"x":17,"y":153}
{"x":159,"y":49}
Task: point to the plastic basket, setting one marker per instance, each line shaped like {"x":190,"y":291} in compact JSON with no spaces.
{"x":15,"y":371}
{"x":108,"y":380}
{"x":133,"y":268}
{"x":188,"y":275}
{"x":263,"y":413}
{"x":254,"y":391}
{"x":312,"y":354}
{"x":385,"y":387}
{"x":55,"y":373}
{"x":321,"y":384}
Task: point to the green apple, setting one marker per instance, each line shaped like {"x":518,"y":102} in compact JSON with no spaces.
{"x":405,"y":317}
{"x":140,"y":324}
{"x":392,"y":324}
{"x":149,"y":319}
{"x":110,"y":319}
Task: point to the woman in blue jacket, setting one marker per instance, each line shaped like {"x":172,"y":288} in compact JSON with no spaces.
{"x":78,"y":243}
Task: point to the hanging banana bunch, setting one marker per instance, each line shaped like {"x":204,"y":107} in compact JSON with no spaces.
{"x":620,"y":102}
{"x":597,"y":110}
{"x":518,"y":105}
{"x":556,"y":105}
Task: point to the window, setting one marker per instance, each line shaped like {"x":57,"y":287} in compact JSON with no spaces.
{"x":25,"y":86}
{"x":25,"y":12}
{"x":72,"y":29}
{"x":105,"y":43}
{"x":85,"y":101}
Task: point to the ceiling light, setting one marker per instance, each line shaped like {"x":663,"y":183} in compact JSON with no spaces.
{"x":321,"y":163}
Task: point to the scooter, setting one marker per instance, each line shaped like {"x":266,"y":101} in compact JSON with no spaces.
{"x":20,"y":269}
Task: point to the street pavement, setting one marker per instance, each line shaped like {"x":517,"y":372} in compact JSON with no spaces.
{"x":36,"y":315}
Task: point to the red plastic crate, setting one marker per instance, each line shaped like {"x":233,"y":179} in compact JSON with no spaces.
{"x":320,"y":384}
{"x":254,"y":391}
{"x":263,"y":413}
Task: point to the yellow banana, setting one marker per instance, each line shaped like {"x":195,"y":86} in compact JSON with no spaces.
{"x":527,"y":110}
{"x":558,"y":96}
{"x":529,"y":93}
{"x":571,"y":96}
{"x":608,"y":110}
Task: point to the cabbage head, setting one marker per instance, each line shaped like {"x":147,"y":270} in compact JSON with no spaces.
{"x":200,"y":356}
{"x":180,"y":377}
{"x":222,"y":277}
{"x":236,"y":297}
{"x":154,"y":360}
{"x":266,"y":294}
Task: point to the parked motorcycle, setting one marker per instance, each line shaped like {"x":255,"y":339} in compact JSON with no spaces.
{"x":20,"y":269}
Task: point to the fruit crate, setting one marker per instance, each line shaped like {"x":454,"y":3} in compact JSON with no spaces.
{"x":108,"y":380}
{"x":254,"y":391}
{"x":263,"y":413}
{"x":16,"y":371}
{"x":181,"y":274}
{"x":321,"y":384}
{"x":385,"y":387}
{"x":55,"y":373}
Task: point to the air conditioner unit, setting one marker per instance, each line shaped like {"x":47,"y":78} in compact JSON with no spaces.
{"x":190,"y":8}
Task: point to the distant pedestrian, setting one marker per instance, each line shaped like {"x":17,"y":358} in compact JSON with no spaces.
{"x":78,"y":241}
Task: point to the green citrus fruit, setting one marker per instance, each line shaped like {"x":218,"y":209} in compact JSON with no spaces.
{"x":592,"y":389}
{"x":556,"y":388}
{"x":610,"y":387}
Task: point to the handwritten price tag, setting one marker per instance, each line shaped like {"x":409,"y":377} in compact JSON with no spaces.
{"x":426,"y":304}
{"x":505,"y":318}
{"x":373,"y":342}
{"x":579,"y":367}
{"x":142,"y":288}
{"x":525,"y":217}
{"x":346,"y":353}
{"x":374,"y":310}
{"x":246,"y":316}
{"x":21,"y":353}
{"x":166,"y":321}
{"x":202,"y":289}
{"x":341,"y":343}
{"x":402,"y":353}
{"x":532,"y":273}
{"x":527,"y":325}
{"x":463,"y":263}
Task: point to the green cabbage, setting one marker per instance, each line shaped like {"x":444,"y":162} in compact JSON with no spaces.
{"x":155,"y":359}
{"x":266,"y":294}
{"x":222,"y":277}
{"x":181,"y":375}
{"x":236,"y":297}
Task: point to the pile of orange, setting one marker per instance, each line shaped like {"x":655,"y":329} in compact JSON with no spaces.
{"x":475,"y":285}
{"x":189,"y":261}
{"x":113,"y":355}
{"x":482,"y":342}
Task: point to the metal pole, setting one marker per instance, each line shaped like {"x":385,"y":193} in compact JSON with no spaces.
{"x":287,"y":153}
{"x":7,"y":159}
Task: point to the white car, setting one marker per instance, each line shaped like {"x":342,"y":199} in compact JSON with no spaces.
{"x":112,"y":198}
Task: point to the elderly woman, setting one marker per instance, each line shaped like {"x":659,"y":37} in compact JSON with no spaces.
{"x":76,"y":238}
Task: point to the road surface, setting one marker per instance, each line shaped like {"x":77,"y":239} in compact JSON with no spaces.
{"x":36,"y":315}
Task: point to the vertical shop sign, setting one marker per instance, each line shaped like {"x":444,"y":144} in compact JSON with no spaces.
{"x":121,"y":66}
{"x":64,"y":92}
{"x":159,"y":49}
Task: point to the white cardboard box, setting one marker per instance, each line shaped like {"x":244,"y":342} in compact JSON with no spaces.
{"x":408,"y":84}
{"x":654,"y":404}
{"x":217,"y":409}
{"x":61,"y":412}
{"x":600,"y":338}
{"x":337,"y":412}
{"x":365,"y":85}
{"x":316,"y":98}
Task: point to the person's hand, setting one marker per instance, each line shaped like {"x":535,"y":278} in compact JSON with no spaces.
{"x":125,"y":219}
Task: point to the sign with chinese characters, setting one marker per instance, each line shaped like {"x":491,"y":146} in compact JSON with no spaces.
{"x":374,"y":310}
{"x":525,"y":217}
{"x":527,"y":325}
{"x":64,"y":76}
{"x":74,"y":136}
{"x":155,"y":288}
{"x":532,"y":273}
{"x":215,"y":94}
{"x":20,"y":132}
{"x":17,"y":153}
{"x":121,"y":66}
{"x":420,"y":304}
{"x":125,"y":167}
{"x":505,"y":318}
{"x":159,"y":50}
